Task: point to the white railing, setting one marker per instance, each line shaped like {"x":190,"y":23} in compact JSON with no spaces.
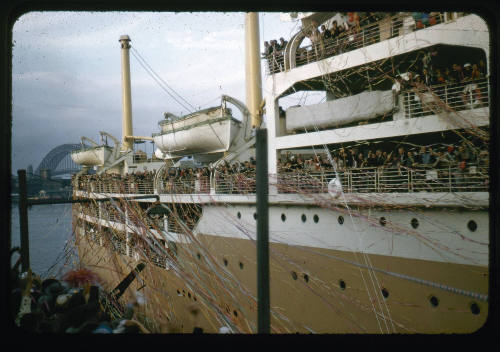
{"x":117,"y":186}
{"x":350,"y":40}
{"x":235,"y":184}
{"x":199,"y":185}
{"x":423,"y":100}
{"x":380,"y":180}
{"x":119,"y":244}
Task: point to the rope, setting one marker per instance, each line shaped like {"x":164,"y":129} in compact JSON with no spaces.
{"x":160,"y":81}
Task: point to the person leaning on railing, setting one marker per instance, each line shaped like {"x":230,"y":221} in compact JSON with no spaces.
{"x":274,"y":55}
{"x":424,"y":19}
{"x":463,"y":158}
{"x":443,"y":165}
{"x":472,"y":93}
{"x":281,"y":46}
{"x":326,"y":37}
{"x":268,"y":50}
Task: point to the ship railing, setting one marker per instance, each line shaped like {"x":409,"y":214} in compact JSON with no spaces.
{"x":305,"y":182}
{"x":239,"y":183}
{"x":112,"y":214}
{"x":387,"y":27}
{"x":473,"y":178}
{"x":119,"y":244}
{"x":120,"y":186}
{"x":95,"y":237}
{"x":389,"y":179}
{"x":154,"y":223}
{"x":189,"y":186}
{"x":158,"y":260}
{"x":154,"y":253}
{"x":88,"y":209}
{"x":174,"y":226}
{"x":201,"y":185}
{"x":435,"y":99}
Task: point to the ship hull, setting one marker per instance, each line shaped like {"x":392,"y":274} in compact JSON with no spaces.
{"x":313,"y":289}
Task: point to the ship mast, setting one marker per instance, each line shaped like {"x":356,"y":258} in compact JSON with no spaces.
{"x":252,"y":68}
{"x":126,"y":94}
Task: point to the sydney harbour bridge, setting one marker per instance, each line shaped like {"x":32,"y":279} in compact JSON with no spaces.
{"x":58,"y":161}
{"x":49,"y":177}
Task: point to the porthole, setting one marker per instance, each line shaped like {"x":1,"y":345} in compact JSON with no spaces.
{"x":474,"y":308}
{"x":283,"y":217}
{"x":316,"y":218}
{"x":385,"y":293}
{"x":294,"y":275}
{"x":178,"y":292}
{"x":306,"y":278}
{"x":382,"y":221}
{"x":303,"y":217}
{"x":255,"y":216}
{"x":241,"y":265}
{"x":341,"y":219}
{"x":225,"y":261}
{"x":414,"y":223}
{"x":433,"y":301}
{"x":198,"y":255}
{"x":189,"y":294}
{"x":235,"y":313}
{"x":238,"y":215}
{"x":472,"y":225}
{"x":342,"y":284}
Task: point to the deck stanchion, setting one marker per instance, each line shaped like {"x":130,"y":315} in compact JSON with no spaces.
{"x":263,"y":301}
{"x":23,"y":220}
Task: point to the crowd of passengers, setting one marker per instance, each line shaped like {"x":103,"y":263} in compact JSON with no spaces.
{"x":459,"y":161}
{"x":423,"y":157}
{"x":238,"y":177}
{"x":457,"y":85}
{"x":185,"y":180}
{"x":134,"y":182}
{"x":357,"y":29}
{"x":467,"y":167}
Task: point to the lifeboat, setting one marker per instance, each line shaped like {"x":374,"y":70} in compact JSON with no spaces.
{"x":211,"y":130}
{"x":92,"y":156}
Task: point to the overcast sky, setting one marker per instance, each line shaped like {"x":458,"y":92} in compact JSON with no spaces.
{"x":66,"y":76}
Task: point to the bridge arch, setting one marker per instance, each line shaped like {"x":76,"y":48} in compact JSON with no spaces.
{"x":58,"y":160}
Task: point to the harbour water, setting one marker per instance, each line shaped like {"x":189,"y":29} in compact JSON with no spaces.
{"x":50,"y":236}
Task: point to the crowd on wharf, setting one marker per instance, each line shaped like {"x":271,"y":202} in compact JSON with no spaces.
{"x":74,"y":304}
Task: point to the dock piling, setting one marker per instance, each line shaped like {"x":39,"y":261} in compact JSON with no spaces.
{"x":23,"y":220}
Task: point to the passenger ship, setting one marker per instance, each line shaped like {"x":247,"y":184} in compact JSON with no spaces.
{"x":371,"y":250}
